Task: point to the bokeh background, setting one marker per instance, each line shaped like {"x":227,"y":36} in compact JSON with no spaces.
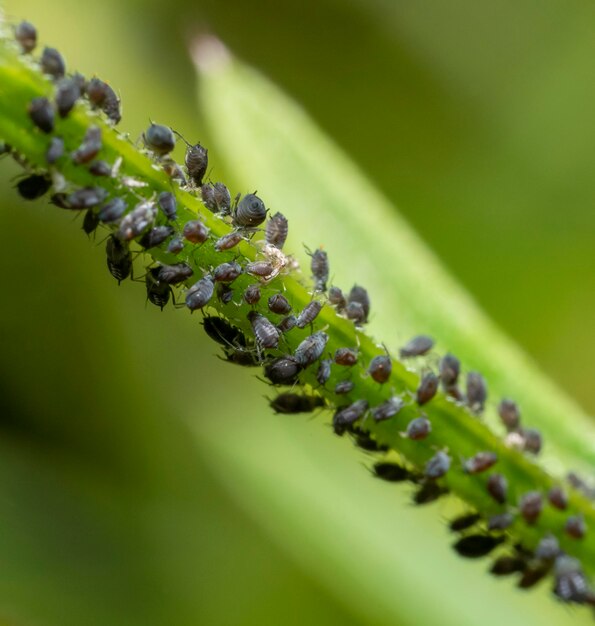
{"x":476,"y":118}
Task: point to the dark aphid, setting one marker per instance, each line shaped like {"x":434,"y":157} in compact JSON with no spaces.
{"x":112,"y":211}
{"x":418,"y":428}
{"x":278,"y":303}
{"x":311,"y":348}
{"x":175,"y":274}
{"x":548,"y":548}
{"x":463,"y":522}
{"x":195,"y":231}
{"x":296,"y":403}
{"x":137,"y":221}
{"x":26,"y":34}
{"x":320,"y":269}
{"x":428,"y":386}
{"x":509,"y":413}
{"x":480,"y":462}
{"x":221,"y":331}
{"x":224,"y":293}
{"x":67,"y":93}
{"x":158,"y":292}
{"x":266,"y":333}
{"x":200,"y":293}
{"x":438,"y":465}
{"x":216,"y":197}
{"x":570,"y":583}
{"x":159,"y":139}
{"x":429,"y":492}
{"x":91,"y":221}
{"x":500,"y":521}
{"x":345,"y":416}
{"x":197,"y":161}
{"x":167,"y":203}
{"x":176,"y":245}
{"x":52,"y":63}
{"x":532,"y":575}
{"x":476,"y":546}
{"x":324,"y":371}
{"x":575,"y":527}
{"x":287,"y":323}
{"x":227,"y":272}
{"x":356,"y":313}
{"x":506,"y":565}
{"x":101,"y":95}
{"x":252,"y":294}
{"x":86,"y":198}
{"x":89,"y":147}
{"x":477,"y":391}
{"x":450,"y":368}
{"x":418,"y":346}
{"x":530,"y":506}
{"x":42,"y":114}
{"x":33,"y":186}
{"x":359,"y":295}
{"x":344,"y":387}
{"x":283,"y":370}
{"x":532,"y":440}
{"x":309,"y":313}
{"x":227,"y":242}
{"x":498,"y":487}
{"x":558,"y":498}
{"x":262,"y":269}
{"x":276,"y":230}
{"x":346,"y":357}
{"x":100,"y":168}
{"x":60,"y":200}
{"x":156,"y":236}
{"x":337,"y":299}
{"x":55,"y":150}
{"x":392,"y":472}
{"x":387,"y":409}
{"x":380,"y":368}
{"x":240,"y":356}
{"x":119,"y":259}
{"x":364,"y":440}
{"x":250,"y":211}
{"x":455,"y":392}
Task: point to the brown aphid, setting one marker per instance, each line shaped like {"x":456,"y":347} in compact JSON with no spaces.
{"x":359,"y":295}
{"x":290,"y":403}
{"x":418,"y":346}
{"x":324,"y":371}
{"x":252,"y":294}
{"x":197,"y":161}
{"x":26,"y":34}
{"x":176,"y":245}
{"x":346,"y":357}
{"x":287,"y":323}
{"x":575,"y":527}
{"x":355,"y":312}
{"x":418,"y":428}
{"x":227,"y":272}
{"x":429,"y":492}
{"x":428,"y":386}
{"x":262,"y":269}
{"x":477,"y":391}
{"x":337,"y":299}
{"x":309,"y":313}
{"x":387,"y":409}
{"x":570,"y":582}
{"x":437,"y":466}
{"x":345,"y":416}
{"x":222,"y":198}
{"x":156,"y":236}
{"x":195,"y":231}
{"x":311,"y":348}
{"x":283,"y":370}
{"x":450,"y":368}
{"x":532,"y":440}
{"x":168,"y":205}
{"x":227,"y":242}
{"x":476,"y":546}
{"x":463,"y":522}
{"x":530,"y":506}
{"x":380,"y":368}
{"x":548,"y":548}
{"x":320,"y":268}
{"x":509,"y":413}
{"x":52,"y":63}
{"x":558,"y":498}
{"x":533,"y":575}
{"x":55,"y":150}
{"x":102,"y":96}
{"x":344,"y":387}
{"x":67,"y":93}
{"x":137,"y":221}
{"x":480,"y":462}
{"x":276,"y":230}
{"x":42,"y":114}
{"x":100,"y":168}
{"x":266,"y":333}
{"x":90,"y":146}
{"x":498,"y":487}
{"x":250,"y":212}
{"x":506,"y":565}
{"x":175,"y":274}
{"x":500,"y":521}
{"x":279,"y":304}
{"x":199,"y":295}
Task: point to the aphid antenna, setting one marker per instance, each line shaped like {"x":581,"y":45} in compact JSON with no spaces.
{"x":189,"y":145}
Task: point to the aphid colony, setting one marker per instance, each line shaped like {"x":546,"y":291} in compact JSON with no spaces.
{"x":267,"y":324}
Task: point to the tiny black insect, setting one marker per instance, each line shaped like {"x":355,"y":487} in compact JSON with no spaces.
{"x":428,"y":386}
{"x":418,"y":428}
{"x":324,"y":371}
{"x":42,"y":114}
{"x":119,"y":259}
{"x":276,"y":230}
{"x":429,"y":492}
{"x":497,"y":486}
{"x":480,"y":462}
{"x":359,"y":295}
{"x":337,"y":299}
{"x":463,"y":522}
{"x":33,"y":186}
{"x":197,"y":161}
{"x":216,"y":198}
{"x":418,"y":346}
{"x":67,"y":93}
{"x":159,"y":139}
{"x":509,"y":413}
{"x":309,"y":313}
{"x":102,"y":96}
{"x":344,"y":386}
{"x":532,"y":575}
{"x":283,"y":370}
{"x":575,"y":526}
{"x":89,"y":147}
{"x":229,"y":241}
{"x":364,"y":440}
{"x":570,"y":583}
{"x":91,"y":221}
{"x":319,"y":266}
{"x":26,"y":34}
{"x":266,"y":333}
{"x":345,"y":416}
{"x":311,"y":348}
{"x":346,"y":357}
{"x":156,"y":236}
{"x":279,"y":304}
{"x":296,"y":403}
{"x":200,"y":293}
{"x":506,"y":565}
{"x":558,"y":498}
{"x":380,"y":368}
{"x":100,"y":168}
{"x":252,"y":294}
{"x":250,"y":212}
{"x":55,"y":150}
{"x":158,"y":292}
{"x":476,"y":546}
{"x":532,"y":440}
{"x":227,"y":272}
{"x":52,"y":63}
{"x":224,"y":293}
{"x":175,"y":274}
{"x":221,"y":331}
{"x":195,"y":231}
{"x":137,"y":221}
{"x":86,"y":198}
{"x":176,"y":245}
{"x":167,"y":203}
{"x":530,"y":506}
{"x":548,"y":548}
{"x":450,"y":368}
{"x":112,"y":211}
{"x":477,"y":391}
{"x":387,"y":409}
{"x":392,"y":472}
{"x":437,"y":466}
{"x":500,"y":521}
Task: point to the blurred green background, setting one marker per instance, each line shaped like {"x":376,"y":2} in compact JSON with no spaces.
{"x":119,"y":496}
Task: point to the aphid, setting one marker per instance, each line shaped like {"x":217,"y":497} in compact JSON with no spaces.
{"x":476,"y":546}
{"x":380,"y":368}
{"x":500,"y":521}
{"x":532,"y":575}
{"x":52,"y":63}
{"x":245,"y":358}
{"x":360,"y":295}
{"x":55,"y":150}
{"x":200,"y":293}
{"x":167,"y":203}
{"x":578,"y":483}
{"x":86,"y":198}
{"x":67,"y":93}
{"x":575,"y":527}
{"x":509,"y":413}
{"x":266,"y":333}
{"x":60,"y":200}
{"x":175,"y":274}
{"x":250,"y":211}
{"x":287,"y":323}
{"x":346,"y":357}
{"x":355,"y":312}
{"x":324,"y":371}
{"x":477,"y":391}
{"x":418,"y":346}
{"x":262,"y":269}
{"x":463,"y":522}
{"x":159,"y":139}
{"x":101,"y":95}
{"x":337,"y":299}
{"x":216,"y":197}
{"x":438,"y":465}
{"x":311,"y":348}
{"x":197,"y":161}
{"x":42,"y":114}
{"x":428,"y":386}
{"x":450,"y":368}
{"x":530,"y":506}
{"x":429,"y":492}
{"x":252,"y":294}
{"x":295,"y":403}
{"x":229,"y":241}
{"x":364,"y":440}
{"x":224,"y":293}
{"x":308,"y":314}
{"x":89,"y":147}
{"x":498,"y":487}
{"x":112,"y":211}
{"x":100,"y":168}
{"x":134,"y":223}
{"x":320,"y":269}
{"x":158,"y":293}
{"x":570,"y":583}
{"x":532,"y":440}
{"x":391,"y":472}
{"x":505,"y":565}
{"x":344,"y":387}
{"x":26,"y":34}
{"x":176,"y":245}
{"x":91,"y":221}
{"x":387,"y":409}
{"x":558,"y":498}
{"x":283,"y":370}
{"x":227,"y":272}
{"x":156,"y":236}
{"x":278,"y":303}
{"x":221,"y":331}
{"x":33,"y":186}
{"x":195,"y":231}
{"x":347,"y":415}
{"x":119,"y":259}
{"x":418,"y":428}
{"x":480,"y":462}
{"x":276,"y":230}
{"x":548,"y":548}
